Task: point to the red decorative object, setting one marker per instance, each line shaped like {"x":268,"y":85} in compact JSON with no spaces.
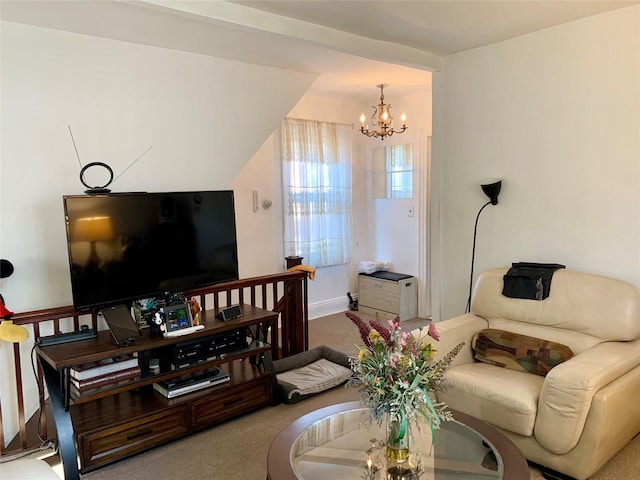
{"x":4,"y":311}
{"x":6,"y":270}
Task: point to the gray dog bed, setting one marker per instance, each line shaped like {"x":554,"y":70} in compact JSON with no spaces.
{"x":307,"y":373}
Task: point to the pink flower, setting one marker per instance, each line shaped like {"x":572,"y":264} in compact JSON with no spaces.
{"x":433,"y":332}
{"x":395,"y":323}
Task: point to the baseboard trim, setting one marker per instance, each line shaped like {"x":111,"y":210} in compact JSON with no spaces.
{"x":328,"y":307}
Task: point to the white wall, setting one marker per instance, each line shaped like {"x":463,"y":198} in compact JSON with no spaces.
{"x":260,"y":233}
{"x":556,"y":114}
{"x":205,"y":118}
{"x":395,"y":234}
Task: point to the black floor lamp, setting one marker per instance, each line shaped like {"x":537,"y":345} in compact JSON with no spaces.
{"x":491,"y":188}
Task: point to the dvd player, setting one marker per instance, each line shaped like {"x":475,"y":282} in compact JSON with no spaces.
{"x":191,"y":383}
{"x":193,"y":352}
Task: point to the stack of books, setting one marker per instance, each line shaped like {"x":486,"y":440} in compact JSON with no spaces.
{"x":104,"y":373}
{"x":191,"y":383}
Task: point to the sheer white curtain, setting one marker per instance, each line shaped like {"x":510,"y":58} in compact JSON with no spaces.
{"x":316,"y":178}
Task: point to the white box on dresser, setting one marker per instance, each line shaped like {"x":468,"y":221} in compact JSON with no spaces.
{"x":386,"y":295}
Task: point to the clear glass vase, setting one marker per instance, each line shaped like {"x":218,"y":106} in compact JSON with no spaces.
{"x":397,"y":448}
{"x":402,"y":463}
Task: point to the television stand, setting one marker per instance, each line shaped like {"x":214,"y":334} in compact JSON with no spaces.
{"x":104,"y":425}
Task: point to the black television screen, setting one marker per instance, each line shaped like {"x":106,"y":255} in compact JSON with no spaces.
{"x":129,"y":246}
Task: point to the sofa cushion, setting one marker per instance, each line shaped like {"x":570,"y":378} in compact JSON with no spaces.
{"x":518,"y":352}
{"x":502,"y":397}
{"x":576,"y":341}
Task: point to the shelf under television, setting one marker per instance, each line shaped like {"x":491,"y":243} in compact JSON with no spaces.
{"x":254,"y":348}
{"x":125,"y":406}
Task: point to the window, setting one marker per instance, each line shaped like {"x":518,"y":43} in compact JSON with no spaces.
{"x":316,"y":178}
{"x":393,"y":171}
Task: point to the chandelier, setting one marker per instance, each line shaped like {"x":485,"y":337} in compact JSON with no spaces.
{"x":381,"y":119}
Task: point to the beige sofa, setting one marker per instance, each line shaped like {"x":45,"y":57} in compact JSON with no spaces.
{"x":27,"y":469}
{"x":574,"y":419}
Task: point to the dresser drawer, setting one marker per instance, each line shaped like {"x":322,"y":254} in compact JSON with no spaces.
{"x":386,"y":299}
{"x":104,"y":446}
{"x":231,"y":402}
{"x":379,"y":294}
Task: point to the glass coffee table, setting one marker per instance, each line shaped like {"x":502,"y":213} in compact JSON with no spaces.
{"x":335,"y":442}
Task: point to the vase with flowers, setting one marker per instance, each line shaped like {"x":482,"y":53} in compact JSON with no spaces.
{"x":396,"y":373}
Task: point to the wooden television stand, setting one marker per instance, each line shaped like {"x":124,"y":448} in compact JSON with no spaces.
{"x":123,"y":419}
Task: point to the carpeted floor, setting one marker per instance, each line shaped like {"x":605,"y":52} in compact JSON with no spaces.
{"x":237,"y":450}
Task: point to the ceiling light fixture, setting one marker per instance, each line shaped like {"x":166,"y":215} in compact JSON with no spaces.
{"x":381,"y":119}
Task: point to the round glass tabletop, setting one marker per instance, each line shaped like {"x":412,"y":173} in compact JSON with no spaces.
{"x":341,"y":442}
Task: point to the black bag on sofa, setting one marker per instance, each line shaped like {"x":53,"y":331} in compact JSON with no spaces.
{"x":531,"y":281}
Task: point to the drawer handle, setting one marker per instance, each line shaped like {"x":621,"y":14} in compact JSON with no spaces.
{"x":141,"y":433}
{"x":407,"y":284}
{"x":232,"y":402}
{"x":378,"y":285}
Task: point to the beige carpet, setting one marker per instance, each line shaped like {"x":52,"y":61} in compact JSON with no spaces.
{"x":238,"y":449}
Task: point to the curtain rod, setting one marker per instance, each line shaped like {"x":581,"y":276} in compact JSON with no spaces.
{"x":331,"y":123}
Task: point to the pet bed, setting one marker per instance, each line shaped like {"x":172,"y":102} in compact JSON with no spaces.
{"x":307,"y":373}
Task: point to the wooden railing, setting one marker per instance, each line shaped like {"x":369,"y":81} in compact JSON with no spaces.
{"x":285,"y":293}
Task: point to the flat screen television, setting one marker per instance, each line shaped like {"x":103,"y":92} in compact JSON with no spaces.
{"x":129,"y":246}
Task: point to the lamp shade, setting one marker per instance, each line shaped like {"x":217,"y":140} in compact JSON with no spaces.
{"x":9,"y":332}
{"x":491,"y":188}
{"x":93,"y":229}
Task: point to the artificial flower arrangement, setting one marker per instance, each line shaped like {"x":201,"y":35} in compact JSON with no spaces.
{"x":396,"y":371}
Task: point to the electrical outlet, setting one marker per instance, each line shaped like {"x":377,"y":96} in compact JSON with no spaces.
{"x":410,"y":212}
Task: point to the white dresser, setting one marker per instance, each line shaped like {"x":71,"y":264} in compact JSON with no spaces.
{"x":385,"y":295}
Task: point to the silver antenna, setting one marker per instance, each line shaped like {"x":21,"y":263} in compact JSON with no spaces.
{"x":132,"y":163}
{"x":74,"y":145}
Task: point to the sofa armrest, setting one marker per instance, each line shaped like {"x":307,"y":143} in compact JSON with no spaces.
{"x":456,"y":330}
{"x":568,"y":389}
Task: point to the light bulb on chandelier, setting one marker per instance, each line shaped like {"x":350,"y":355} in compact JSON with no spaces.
{"x":381,"y":120}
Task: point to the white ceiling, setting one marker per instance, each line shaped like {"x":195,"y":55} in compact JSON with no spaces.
{"x":442,"y":27}
{"x":349,"y":43}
